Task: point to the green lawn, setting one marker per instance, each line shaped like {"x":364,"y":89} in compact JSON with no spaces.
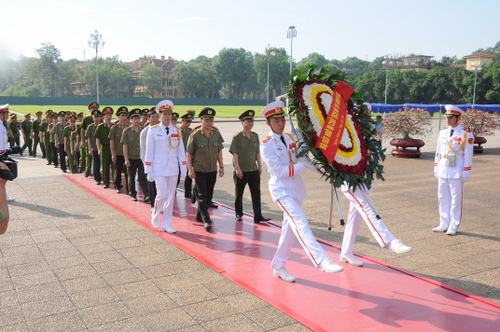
{"x":221,"y":111}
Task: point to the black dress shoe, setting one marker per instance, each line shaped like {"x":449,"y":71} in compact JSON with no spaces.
{"x":146,"y":199}
{"x":261,"y":219}
{"x":106,"y":186}
{"x":49,"y":163}
{"x":98,"y":182}
{"x":56,"y":166}
{"x":193,"y":199}
{"x":207,"y":226}
{"x":239,"y":218}
{"x":212,"y":205}
{"x":118,"y":191}
{"x":134,"y":199}
{"x":87,"y":174}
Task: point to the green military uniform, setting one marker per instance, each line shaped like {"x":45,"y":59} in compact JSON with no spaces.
{"x":115,"y":134}
{"x":204,"y":150}
{"x":246,"y":149}
{"x":132,"y":138}
{"x":102,"y":133}
{"x":70,"y":134}
{"x":26,"y":127}
{"x":44,"y":129}
{"x":36,"y":136}
{"x":13,"y":132}
{"x":85,"y":162}
{"x":188,"y":182}
{"x":59,"y":131}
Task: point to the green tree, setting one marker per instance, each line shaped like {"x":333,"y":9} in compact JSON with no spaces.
{"x":313,"y":59}
{"x":150,"y":77}
{"x":279,"y":70}
{"x":196,"y":78}
{"x":491,"y":80}
{"x":232,"y":66}
{"x":20,"y":90}
{"x":48,"y":55}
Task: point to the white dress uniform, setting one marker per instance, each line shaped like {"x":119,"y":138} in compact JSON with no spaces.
{"x":165,"y":156}
{"x":4,"y":137}
{"x":452,"y":167}
{"x":288,"y":190}
{"x":360,"y":209}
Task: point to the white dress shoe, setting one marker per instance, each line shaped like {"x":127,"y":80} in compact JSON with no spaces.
{"x":154,"y":222}
{"x":169,"y":230}
{"x":351,"y":260}
{"x":398,"y":247}
{"x":328,"y":265}
{"x":283,"y":274}
{"x":440,"y":228}
{"x":451,"y":230}
{"x":10,"y":199}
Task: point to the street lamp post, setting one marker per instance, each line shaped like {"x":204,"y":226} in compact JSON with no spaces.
{"x":96,"y":42}
{"x":476,"y":67}
{"x":269,"y":55}
{"x":291,"y":34}
{"x":386,"y":63}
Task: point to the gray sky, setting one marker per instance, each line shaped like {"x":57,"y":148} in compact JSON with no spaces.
{"x":186,"y":29}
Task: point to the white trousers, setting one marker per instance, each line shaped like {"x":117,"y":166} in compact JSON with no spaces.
{"x":166,"y":188}
{"x":296,"y":225}
{"x":450,"y":196}
{"x":360,"y":209}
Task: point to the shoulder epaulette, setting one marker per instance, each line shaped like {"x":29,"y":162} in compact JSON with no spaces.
{"x":468,"y":130}
{"x":195,"y":131}
{"x":127,"y":129}
{"x":156,"y":125}
{"x":215,"y":128}
{"x":266,"y":139}
{"x":90,"y":125}
{"x":236,"y":134}
{"x":115,"y":125}
{"x":100,"y":124}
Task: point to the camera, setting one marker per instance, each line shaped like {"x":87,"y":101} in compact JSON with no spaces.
{"x":11,"y":173}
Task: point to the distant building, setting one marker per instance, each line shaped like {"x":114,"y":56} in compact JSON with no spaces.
{"x":478,"y":59}
{"x":166,"y":65}
{"x":78,"y":89}
{"x":413,"y":62}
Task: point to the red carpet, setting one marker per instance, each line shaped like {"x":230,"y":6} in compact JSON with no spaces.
{"x":376,"y":297}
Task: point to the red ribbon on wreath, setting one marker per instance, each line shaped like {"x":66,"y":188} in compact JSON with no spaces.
{"x":333,"y":128}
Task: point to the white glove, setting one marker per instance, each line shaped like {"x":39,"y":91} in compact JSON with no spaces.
{"x":464,"y":179}
{"x":183,"y":172}
{"x":151,"y":177}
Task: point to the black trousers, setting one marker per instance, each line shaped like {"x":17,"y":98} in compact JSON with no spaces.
{"x":96,"y":166}
{"x":55,"y":158}
{"x":136,"y":166}
{"x":62,"y":157}
{"x":152,"y":193}
{"x":253,"y":181}
{"x":119,"y":169}
{"x":188,"y":187}
{"x":204,"y":191}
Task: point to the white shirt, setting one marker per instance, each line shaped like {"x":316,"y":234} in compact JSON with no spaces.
{"x":461,"y":143}
{"x":4,"y":138}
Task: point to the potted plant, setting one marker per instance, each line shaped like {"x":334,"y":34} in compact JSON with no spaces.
{"x":480,"y":124}
{"x":403,"y":123}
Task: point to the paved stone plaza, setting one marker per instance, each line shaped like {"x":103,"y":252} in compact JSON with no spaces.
{"x":69,"y":262}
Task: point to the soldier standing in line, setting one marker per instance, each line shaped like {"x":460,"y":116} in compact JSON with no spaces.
{"x":13,"y":131}
{"x":165,"y":158}
{"x":87,"y":120}
{"x":26,"y":127}
{"x":131,"y":152}
{"x":53,"y":143}
{"x":45,"y":136}
{"x":175,"y":118}
{"x":153,"y":121}
{"x":204,"y":151}
{"x":115,"y":135}
{"x":102,"y":141}
{"x":81,"y":154}
{"x":59,"y":139}
{"x":247,"y":166}
{"x":93,"y":147}
{"x":35,"y":134}
{"x":69,"y":134}
{"x":452,"y":168}
{"x":185,"y":132}
{"x":144,"y":117}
